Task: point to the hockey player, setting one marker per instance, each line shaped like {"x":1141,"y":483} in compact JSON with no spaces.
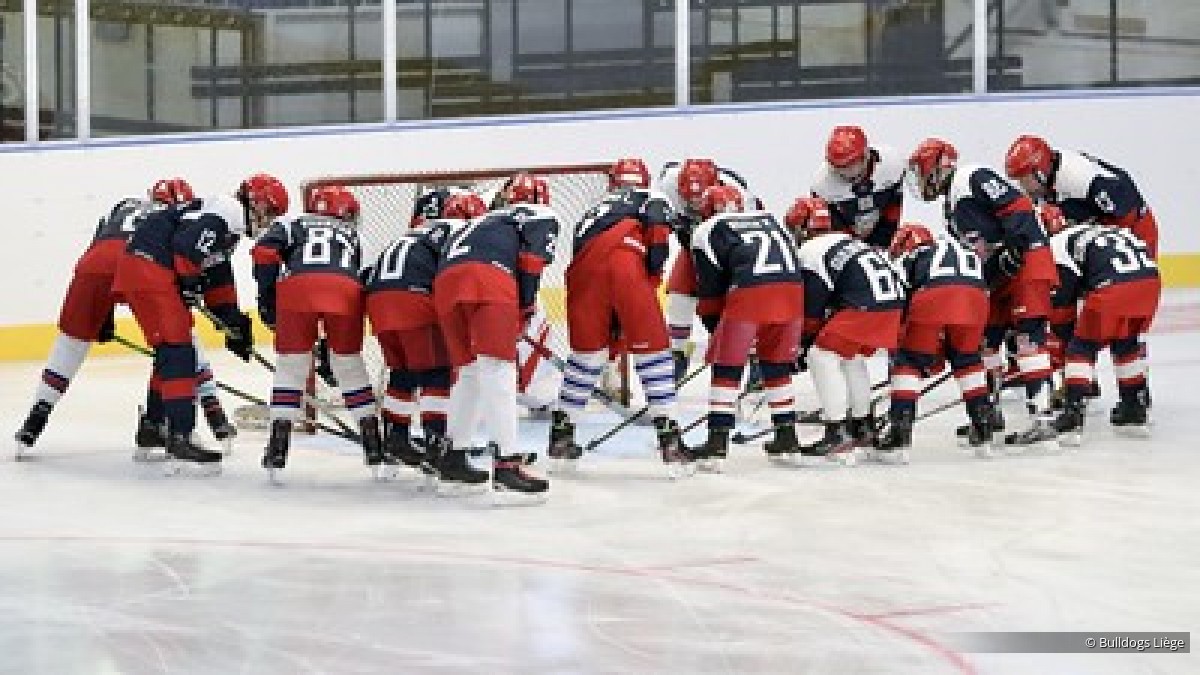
{"x":749,"y":283}
{"x":683,"y":184}
{"x":486,"y":285}
{"x":1112,"y":277}
{"x":307,"y":272}
{"x":863,"y":185}
{"x":400,"y":305}
{"x":996,"y":220}
{"x":87,"y":316}
{"x":853,"y":302}
{"x":620,"y":249}
{"x":178,"y":258}
{"x":1084,"y":187}
{"x":945,"y":316}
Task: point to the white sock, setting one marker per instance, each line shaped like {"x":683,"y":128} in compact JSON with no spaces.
{"x":65,"y":358}
{"x":356,"y":387}
{"x":499,"y":402}
{"x":657,"y":373}
{"x":830,"y":380}
{"x":681,"y":311}
{"x":291,"y":379}
{"x":464,"y":406}
{"x":858,"y":381}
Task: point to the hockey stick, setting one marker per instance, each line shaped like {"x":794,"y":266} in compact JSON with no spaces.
{"x":234,"y":391}
{"x":558,"y":362}
{"x":599,"y":440}
{"x":262,"y":361}
{"x":742,"y":438}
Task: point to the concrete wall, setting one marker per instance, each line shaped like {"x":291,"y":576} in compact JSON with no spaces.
{"x":53,"y":193}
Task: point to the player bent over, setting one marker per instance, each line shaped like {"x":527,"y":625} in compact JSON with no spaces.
{"x":87,"y":316}
{"x":1112,"y":277}
{"x":863,"y":185}
{"x":683,"y":184}
{"x":487,"y":281}
{"x":620,"y":249}
{"x":400,"y":305}
{"x":945,"y":316}
{"x":853,"y":303}
{"x":995,"y":219}
{"x":177,"y":259}
{"x":307,"y":272}
{"x":749,"y":282}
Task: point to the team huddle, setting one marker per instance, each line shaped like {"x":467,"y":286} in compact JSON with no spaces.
{"x":1041,"y":266}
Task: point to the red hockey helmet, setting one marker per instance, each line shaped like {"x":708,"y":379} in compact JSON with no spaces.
{"x":908,"y":238}
{"x":334,"y":201}
{"x":720,"y":199}
{"x":1029,"y":161}
{"x":808,"y":216}
{"x":525,"y":188}
{"x":464,"y":206}
{"x":172,"y":191}
{"x":930,"y":167}
{"x":696,"y":176}
{"x":1052,"y":218}
{"x":628,"y":172}
{"x":847,"y":151}
{"x":261,"y":192}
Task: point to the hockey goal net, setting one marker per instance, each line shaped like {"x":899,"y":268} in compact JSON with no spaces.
{"x":387,"y":201}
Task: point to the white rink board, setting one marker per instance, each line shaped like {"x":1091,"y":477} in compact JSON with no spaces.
{"x":55,"y":192}
{"x":105,"y":568}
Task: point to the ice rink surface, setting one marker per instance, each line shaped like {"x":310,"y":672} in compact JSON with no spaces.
{"x":109,"y":567}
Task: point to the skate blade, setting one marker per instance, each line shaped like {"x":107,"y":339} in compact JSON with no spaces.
{"x":150,"y":455}
{"x":677,"y":470}
{"x":897,"y":457}
{"x":23,"y":452}
{"x":226,"y":446}
{"x":174,"y":467}
{"x":711,"y":465}
{"x":275,"y":477}
{"x":1133,"y":431}
{"x":383,"y":473}
{"x":1071,"y":439}
{"x":564,"y":466}
{"x":502,"y":498}
{"x":844,"y":458}
{"x":456,"y":490}
{"x":984,"y":451}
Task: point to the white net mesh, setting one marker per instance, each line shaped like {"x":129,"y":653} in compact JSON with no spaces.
{"x":387,"y":205}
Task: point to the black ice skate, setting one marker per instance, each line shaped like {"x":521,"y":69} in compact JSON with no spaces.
{"x":455,"y":470}
{"x":150,"y":436}
{"x":1041,"y":432}
{"x":188,"y":456}
{"x":864,"y":430}
{"x":564,"y":452}
{"x":892,"y":446}
{"x":275,"y":457}
{"x":837,"y":445}
{"x":675,"y":455}
{"x":995,"y":424}
{"x":680,"y":361}
{"x":1069,"y":423}
{"x":222,"y":429}
{"x":381,"y":464}
{"x":980,"y":430}
{"x":710,"y":456}
{"x":784,"y":448}
{"x":509,"y":474}
{"x":399,"y":446}
{"x":1131,"y":416}
{"x":28,"y":434}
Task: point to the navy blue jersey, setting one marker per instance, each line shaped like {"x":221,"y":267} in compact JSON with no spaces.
{"x":841,"y":272}
{"x":122,"y":219}
{"x":686,"y":220}
{"x":410,"y":262}
{"x":1089,"y":189}
{"x":989,"y":214}
{"x":648,"y":209}
{"x":518,"y":239}
{"x":944,"y":263}
{"x":1091,"y":257}
{"x":870,"y":207}
{"x":311,"y":243}
{"x":741,"y":250}
{"x":189,"y":238}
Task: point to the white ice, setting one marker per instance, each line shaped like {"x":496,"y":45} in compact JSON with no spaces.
{"x":109,"y":567}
